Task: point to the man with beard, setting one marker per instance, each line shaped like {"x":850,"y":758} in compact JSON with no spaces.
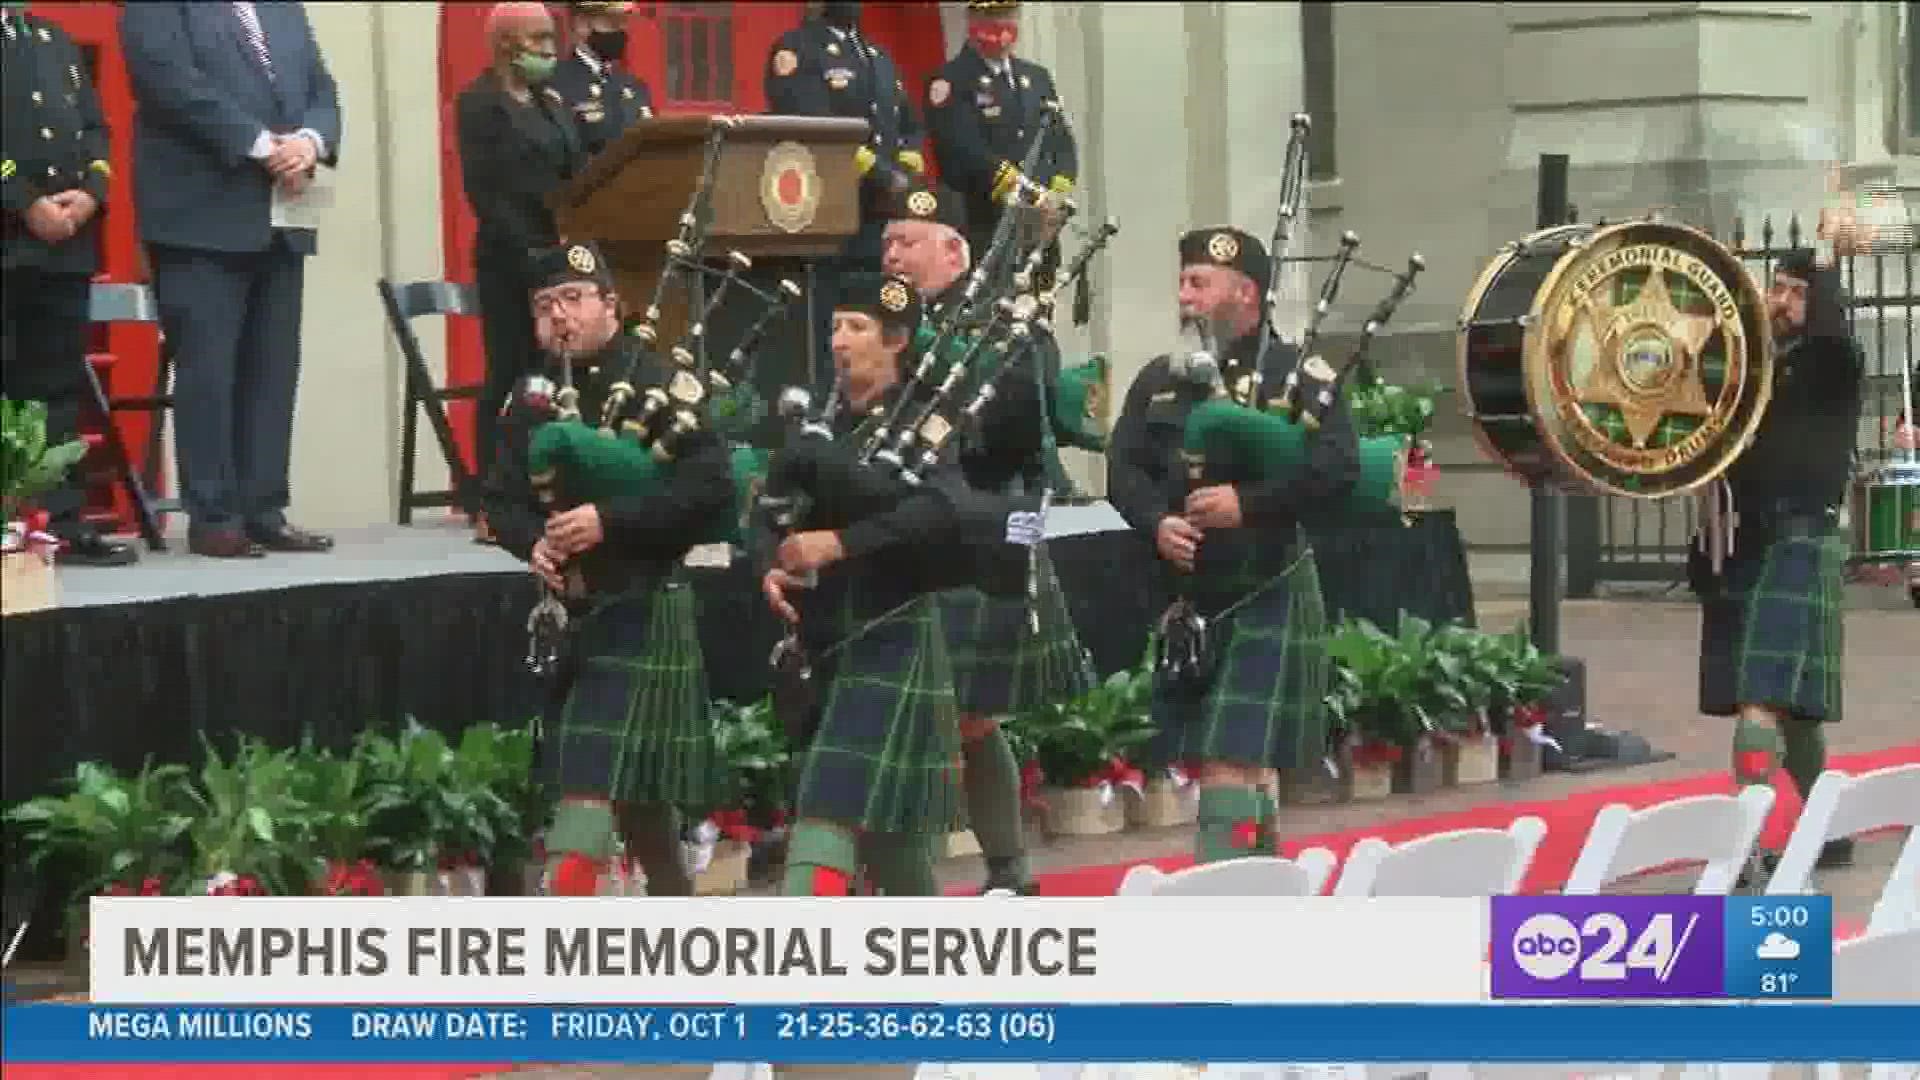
{"x":1771,"y":620}
{"x":1007,"y":658}
{"x":1258,"y":703}
{"x":627,"y":736}
{"x":876,"y":785}
{"x":983,"y":108}
{"x":605,"y":97}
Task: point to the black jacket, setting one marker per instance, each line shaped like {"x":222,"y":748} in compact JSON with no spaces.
{"x":979,"y":121}
{"x":53,"y":140}
{"x":605,"y":100}
{"x":816,"y":71}
{"x":512,"y":157}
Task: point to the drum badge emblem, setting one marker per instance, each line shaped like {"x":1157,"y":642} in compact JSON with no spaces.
{"x":790,"y":187}
{"x":1650,"y":358}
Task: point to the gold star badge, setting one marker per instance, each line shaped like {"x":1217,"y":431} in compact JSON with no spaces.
{"x":1223,"y":247}
{"x":582,"y":260}
{"x":893,"y":297}
{"x":922,"y":204}
{"x":1649,"y":358}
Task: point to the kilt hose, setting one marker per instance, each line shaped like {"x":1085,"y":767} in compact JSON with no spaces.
{"x":1265,"y":706}
{"x":1000,"y":665}
{"x":635,"y":724}
{"x":1772,"y":634}
{"x":885,"y":754}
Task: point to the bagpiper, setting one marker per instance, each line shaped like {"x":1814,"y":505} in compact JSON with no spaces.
{"x":1009,"y":654}
{"x":1239,"y":551}
{"x":626,"y":742}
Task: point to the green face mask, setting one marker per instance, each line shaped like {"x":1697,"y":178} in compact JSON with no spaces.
{"x":536,"y":68}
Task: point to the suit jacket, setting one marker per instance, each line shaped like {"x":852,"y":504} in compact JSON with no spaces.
{"x":512,"y":156}
{"x":815,"y":71}
{"x":203,"y":99}
{"x":52,"y":138}
{"x":979,"y":121}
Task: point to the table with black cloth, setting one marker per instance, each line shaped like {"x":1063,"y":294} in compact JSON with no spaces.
{"x":122,"y":683}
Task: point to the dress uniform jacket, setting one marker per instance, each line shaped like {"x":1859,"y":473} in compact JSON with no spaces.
{"x":53,"y":137}
{"x":981,"y":119}
{"x":605,"y":99}
{"x":819,"y":70}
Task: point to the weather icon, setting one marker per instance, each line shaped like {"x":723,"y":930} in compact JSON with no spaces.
{"x":1778,"y":946}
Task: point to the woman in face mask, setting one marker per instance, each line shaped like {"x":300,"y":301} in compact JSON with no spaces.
{"x":602,"y":95}
{"x":517,"y":144}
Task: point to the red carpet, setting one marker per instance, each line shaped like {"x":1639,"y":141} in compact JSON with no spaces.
{"x":1567,"y":820}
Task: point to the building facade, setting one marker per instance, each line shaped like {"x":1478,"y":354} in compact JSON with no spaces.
{"x":1429,"y":120}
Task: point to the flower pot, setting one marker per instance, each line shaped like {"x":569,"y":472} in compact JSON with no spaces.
{"x":27,"y":583}
{"x":726,"y":873}
{"x":463,"y":881}
{"x":1164,"y":803}
{"x":411,"y":882}
{"x":962,"y":844}
{"x":76,"y":961}
{"x":1472,"y":759}
{"x":1420,"y":770}
{"x":509,"y":879}
{"x":1083,"y":811}
{"x":1521,"y":756}
{"x":1367,"y":781}
{"x":1312,"y":785}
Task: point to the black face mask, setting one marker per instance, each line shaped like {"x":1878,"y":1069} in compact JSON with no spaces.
{"x":844,"y":16}
{"x":608,"y":45}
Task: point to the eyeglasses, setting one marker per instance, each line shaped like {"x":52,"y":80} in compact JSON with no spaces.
{"x":567,"y":297}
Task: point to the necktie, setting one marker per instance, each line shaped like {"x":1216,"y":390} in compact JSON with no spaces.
{"x":256,"y":37}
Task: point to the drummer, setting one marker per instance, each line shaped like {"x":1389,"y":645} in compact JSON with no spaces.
{"x":1771,"y":624}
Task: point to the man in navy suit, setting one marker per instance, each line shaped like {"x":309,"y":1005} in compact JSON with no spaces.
{"x":235,"y":110}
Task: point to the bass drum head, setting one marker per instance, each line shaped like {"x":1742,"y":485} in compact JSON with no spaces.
{"x":1646,"y":360}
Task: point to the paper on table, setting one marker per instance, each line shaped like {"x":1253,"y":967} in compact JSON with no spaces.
{"x":302,"y":211}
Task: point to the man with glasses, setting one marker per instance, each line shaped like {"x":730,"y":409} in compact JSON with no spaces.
{"x":627,"y":744}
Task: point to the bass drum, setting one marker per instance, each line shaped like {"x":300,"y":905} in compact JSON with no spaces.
{"x":1631,"y":359}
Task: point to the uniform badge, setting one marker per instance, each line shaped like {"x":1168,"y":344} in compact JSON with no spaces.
{"x":986,"y":80}
{"x":1026,"y":82}
{"x":591,"y":113}
{"x":44,"y":35}
{"x":839,"y":78}
{"x":594,"y":90}
{"x":991,"y":112}
{"x":37,"y":98}
{"x":646,"y":112}
{"x":7,"y":169}
{"x":893,"y":297}
{"x":626,"y":93}
{"x":922,"y":204}
{"x":937,"y":92}
{"x":785,"y":63}
{"x":833,"y":48}
{"x":582,"y":260}
{"x":1223,"y":247}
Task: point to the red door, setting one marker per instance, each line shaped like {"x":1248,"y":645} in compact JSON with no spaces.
{"x":696,"y":58}
{"x":127,"y":357}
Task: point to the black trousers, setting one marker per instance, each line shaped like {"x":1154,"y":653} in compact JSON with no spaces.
{"x":503,"y":282}
{"x":45,"y":344}
{"x":233,"y":320}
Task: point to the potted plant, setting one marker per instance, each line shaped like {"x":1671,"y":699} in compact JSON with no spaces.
{"x":1520,"y":713}
{"x":329,"y":786}
{"x":1083,"y":749}
{"x":110,"y":835}
{"x":403,"y":778}
{"x":1470,"y":672}
{"x":753,"y":744}
{"x":1375,"y":701}
{"x":490,"y":775}
{"x":1381,"y":408}
{"x":28,"y":468}
{"x":251,"y":835}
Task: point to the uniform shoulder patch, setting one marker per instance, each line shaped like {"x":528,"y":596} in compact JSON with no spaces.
{"x":938,"y":92}
{"x":785,"y":62}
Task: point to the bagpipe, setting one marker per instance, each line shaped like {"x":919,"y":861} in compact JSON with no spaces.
{"x":1237,"y":434}
{"x":572,"y":463}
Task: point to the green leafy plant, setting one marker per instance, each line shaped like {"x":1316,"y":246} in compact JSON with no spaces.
{"x":754,"y":746}
{"x":493,"y":768}
{"x":251,"y":822}
{"x":403,"y":777}
{"x":110,"y":832}
{"x":331,"y":789}
{"x":1384,"y":408}
{"x":1078,"y":742}
{"x":28,"y":466}
{"x":1380,"y":681}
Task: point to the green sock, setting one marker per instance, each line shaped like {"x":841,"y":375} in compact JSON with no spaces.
{"x":1230,"y":824}
{"x":1806,"y":756}
{"x":992,"y":780}
{"x":821,"y":860}
{"x":900,"y":864}
{"x":653,"y":839}
{"x":1756,"y":751}
{"x":1269,"y":826}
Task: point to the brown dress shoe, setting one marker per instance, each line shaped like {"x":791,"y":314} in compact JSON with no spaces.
{"x":290,"y":538}
{"x":224,"y":544}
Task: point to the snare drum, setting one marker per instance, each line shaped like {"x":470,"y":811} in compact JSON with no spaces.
{"x":1631,"y":359}
{"x":1885,"y":514}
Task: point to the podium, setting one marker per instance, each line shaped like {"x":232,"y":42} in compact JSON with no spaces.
{"x":785,"y":189}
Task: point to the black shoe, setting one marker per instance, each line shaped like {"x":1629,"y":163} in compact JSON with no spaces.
{"x":92,"y":549}
{"x":1836,"y":854}
{"x":1758,"y":871}
{"x":1027,"y":888}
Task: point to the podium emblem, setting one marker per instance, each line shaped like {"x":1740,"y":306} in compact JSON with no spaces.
{"x":790,"y":187}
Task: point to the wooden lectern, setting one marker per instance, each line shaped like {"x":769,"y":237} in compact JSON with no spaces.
{"x":785,"y":186}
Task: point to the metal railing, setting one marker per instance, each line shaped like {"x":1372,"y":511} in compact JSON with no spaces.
{"x":1622,"y":541}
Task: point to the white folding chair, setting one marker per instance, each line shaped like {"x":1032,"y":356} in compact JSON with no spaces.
{"x":1718,"y":830}
{"x":1465,"y":862}
{"x":734,"y":1070}
{"x":1254,"y":875}
{"x":1841,"y":805}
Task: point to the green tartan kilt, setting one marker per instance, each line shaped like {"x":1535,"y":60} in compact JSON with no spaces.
{"x":885,"y":756}
{"x":1266,"y":704}
{"x":1772,"y":635}
{"x":1000,"y":665}
{"x":634,"y":725}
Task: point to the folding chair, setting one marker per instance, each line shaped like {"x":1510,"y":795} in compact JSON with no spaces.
{"x":403,"y":304}
{"x":128,"y":303}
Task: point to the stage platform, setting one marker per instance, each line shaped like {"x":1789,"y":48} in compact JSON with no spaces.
{"x":141,"y":662}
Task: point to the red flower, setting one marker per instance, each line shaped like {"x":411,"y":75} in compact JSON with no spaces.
{"x":1755,"y":764}
{"x":1529,"y":715}
{"x":1246,"y":834}
{"x":733,"y":826}
{"x":152,"y":886}
{"x":1373,"y":752}
{"x":360,"y":879}
{"x":1121,"y":773}
{"x":1032,"y":778}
